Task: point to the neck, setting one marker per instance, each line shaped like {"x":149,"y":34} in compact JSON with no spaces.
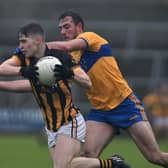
{"x":41,"y":51}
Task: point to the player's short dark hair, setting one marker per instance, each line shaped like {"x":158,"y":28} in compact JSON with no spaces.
{"x":75,"y":16}
{"x":32,"y":29}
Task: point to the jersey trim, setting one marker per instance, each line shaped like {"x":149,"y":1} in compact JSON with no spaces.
{"x":89,"y":58}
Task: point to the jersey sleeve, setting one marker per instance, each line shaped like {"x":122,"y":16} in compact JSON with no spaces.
{"x":16,"y":59}
{"x":93,"y":40}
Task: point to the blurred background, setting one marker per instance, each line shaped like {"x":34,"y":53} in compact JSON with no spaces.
{"x":137,"y":31}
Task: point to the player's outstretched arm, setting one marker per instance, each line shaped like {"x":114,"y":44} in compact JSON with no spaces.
{"x":82,"y":78}
{"x":9,"y":68}
{"x":76,"y":73}
{"x":15,"y":86}
{"x":75,"y":44}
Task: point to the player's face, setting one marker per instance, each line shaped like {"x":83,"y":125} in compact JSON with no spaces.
{"x":28,"y":45}
{"x":68,"y":29}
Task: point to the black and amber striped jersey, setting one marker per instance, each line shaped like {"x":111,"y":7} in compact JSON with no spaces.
{"x":55,"y":103}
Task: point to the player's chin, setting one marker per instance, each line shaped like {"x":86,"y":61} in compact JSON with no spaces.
{"x":27,"y":54}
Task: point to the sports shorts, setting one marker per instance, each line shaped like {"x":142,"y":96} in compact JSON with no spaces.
{"x":75,"y":129}
{"x":124,"y":115}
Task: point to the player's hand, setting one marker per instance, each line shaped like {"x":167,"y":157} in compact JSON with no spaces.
{"x":63,"y":72}
{"x":29,"y":72}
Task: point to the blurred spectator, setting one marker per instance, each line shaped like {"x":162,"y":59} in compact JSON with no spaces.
{"x":156,"y":104}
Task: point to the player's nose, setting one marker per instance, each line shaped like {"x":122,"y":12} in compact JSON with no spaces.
{"x":21,"y":46}
{"x":62,"y":32}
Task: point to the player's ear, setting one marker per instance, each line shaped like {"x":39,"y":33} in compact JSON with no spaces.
{"x":38,"y":40}
{"x":79,"y":27}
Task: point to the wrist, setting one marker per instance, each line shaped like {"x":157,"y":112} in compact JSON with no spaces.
{"x":21,"y":71}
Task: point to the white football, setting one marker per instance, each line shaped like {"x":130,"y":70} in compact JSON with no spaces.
{"x":46,"y":69}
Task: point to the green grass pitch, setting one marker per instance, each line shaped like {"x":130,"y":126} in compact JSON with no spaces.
{"x":28,"y":152}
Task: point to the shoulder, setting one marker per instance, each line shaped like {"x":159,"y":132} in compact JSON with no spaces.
{"x":19,"y":59}
{"x":88,"y":34}
{"x":92,"y":37}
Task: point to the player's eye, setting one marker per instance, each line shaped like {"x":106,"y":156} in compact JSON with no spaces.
{"x":22,"y":41}
{"x":66,"y":26}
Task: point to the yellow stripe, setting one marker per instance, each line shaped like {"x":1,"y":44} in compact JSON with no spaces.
{"x":137,"y":104}
{"x":102,"y":163}
{"x":110,"y":164}
{"x":68,"y":97}
{"x":17,"y":60}
{"x":106,"y":163}
{"x":35,"y":93}
{"x":59,"y":111}
{"x":48,"y":110}
{"x":27,"y":61}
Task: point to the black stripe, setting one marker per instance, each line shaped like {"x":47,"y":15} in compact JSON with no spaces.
{"x":100,"y":163}
{"x":76,"y":127}
{"x":72,"y":129}
{"x":67,"y":85}
{"x":53,"y":110}
{"x":41,"y":103}
{"x":22,"y":59}
{"x":108,"y":163}
{"x":62,"y":101}
{"x":74,"y":123}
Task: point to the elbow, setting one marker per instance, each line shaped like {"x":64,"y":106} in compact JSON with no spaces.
{"x":89,"y":84}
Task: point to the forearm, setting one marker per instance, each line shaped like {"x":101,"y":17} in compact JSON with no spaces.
{"x":71,"y":45}
{"x":82,"y":79}
{"x":9,"y":68}
{"x":58,"y":45}
{"x":9,"y":71}
{"x":15,"y":86}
